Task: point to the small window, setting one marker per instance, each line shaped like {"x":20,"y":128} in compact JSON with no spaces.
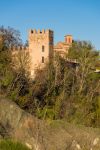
{"x":42,"y":48}
{"x":42,"y":59}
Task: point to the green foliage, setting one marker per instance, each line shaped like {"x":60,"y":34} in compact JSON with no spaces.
{"x":13,"y":95}
{"x":45,"y":113}
{"x":70,"y":89}
{"x":11,"y":145}
{"x":8,"y":37}
{"x":6,"y":75}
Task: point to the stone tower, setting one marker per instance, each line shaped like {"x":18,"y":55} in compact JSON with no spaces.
{"x":40,"y":48}
{"x":68,"y":39}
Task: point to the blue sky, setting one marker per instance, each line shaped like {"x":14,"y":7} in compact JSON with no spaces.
{"x":81,"y":18}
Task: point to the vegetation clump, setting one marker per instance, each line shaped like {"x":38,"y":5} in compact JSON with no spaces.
{"x":11,"y":145}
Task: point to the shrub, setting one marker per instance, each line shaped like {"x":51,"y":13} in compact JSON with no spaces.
{"x":11,"y":145}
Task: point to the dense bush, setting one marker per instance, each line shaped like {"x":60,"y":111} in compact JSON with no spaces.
{"x":70,"y":90}
{"x":11,"y":145}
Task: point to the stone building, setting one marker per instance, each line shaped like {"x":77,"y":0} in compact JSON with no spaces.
{"x":63,"y":47}
{"x":41,"y":48}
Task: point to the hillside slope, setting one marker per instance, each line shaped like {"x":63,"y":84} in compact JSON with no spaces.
{"x":41,"y":135}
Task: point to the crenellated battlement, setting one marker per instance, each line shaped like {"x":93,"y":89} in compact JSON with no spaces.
{"x":18,"y":48}
{"x":40,"y":31}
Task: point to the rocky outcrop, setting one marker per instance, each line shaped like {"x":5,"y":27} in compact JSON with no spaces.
{"x":19,"y":124}
{"x":39,"y":135}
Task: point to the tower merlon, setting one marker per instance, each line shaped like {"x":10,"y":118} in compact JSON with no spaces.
{"x":18,"y":48}
{"x":32,"y":32}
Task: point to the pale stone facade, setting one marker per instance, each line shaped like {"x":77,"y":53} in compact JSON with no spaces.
{"x":41,"y":48}
{"x":63,"y":47}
